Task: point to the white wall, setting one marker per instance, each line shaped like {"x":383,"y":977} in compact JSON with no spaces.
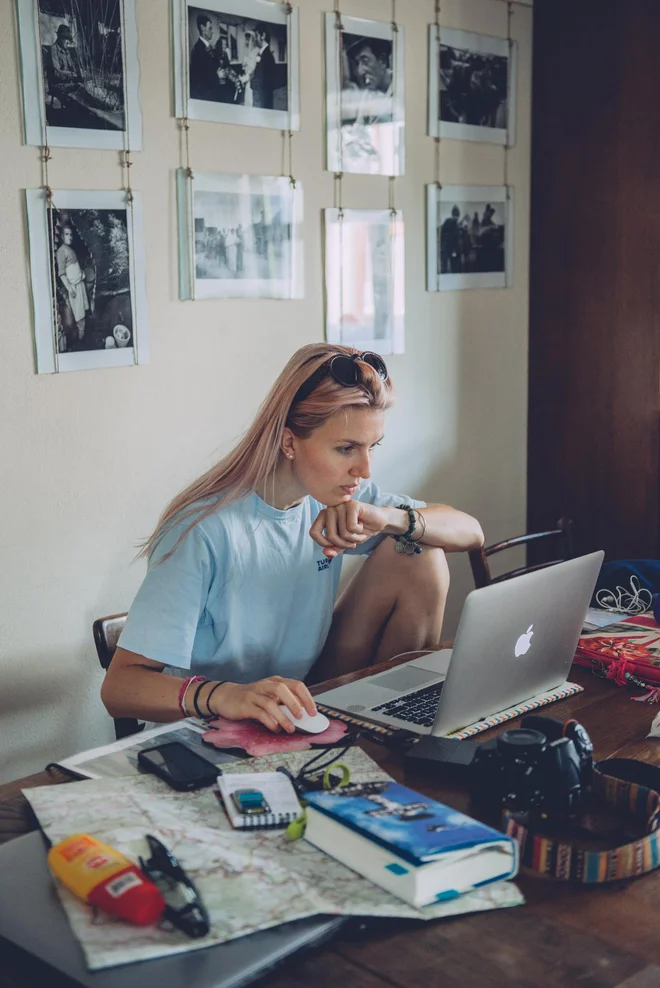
{"x":89,"y":459}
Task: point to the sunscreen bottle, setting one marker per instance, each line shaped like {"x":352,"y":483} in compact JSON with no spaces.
{"x":106,"y":878}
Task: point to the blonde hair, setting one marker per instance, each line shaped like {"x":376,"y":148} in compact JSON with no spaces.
{"x":253,"y":461}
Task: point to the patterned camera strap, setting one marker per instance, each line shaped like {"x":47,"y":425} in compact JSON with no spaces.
{"x":564,"y":860}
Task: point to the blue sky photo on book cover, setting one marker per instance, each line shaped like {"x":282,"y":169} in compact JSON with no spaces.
{"x":414,"y":826}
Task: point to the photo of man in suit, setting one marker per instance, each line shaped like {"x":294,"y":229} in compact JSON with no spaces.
{"x":204,"y":81}
{"x":263,"y":81}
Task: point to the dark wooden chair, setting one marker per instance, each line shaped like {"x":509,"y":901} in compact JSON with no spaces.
{"x":106,"y":635}
{"x":560,"y":538}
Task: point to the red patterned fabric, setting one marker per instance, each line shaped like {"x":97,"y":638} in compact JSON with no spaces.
{"x":631,"y":647}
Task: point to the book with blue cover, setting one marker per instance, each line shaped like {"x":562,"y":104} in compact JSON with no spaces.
{"x":416,"y":847}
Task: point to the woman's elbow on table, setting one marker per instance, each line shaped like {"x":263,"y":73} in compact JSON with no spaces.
{"x":125,"y":686}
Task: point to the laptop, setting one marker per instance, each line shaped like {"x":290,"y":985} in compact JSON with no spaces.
{"x":515,"y":640}
{"x":31,"y":917}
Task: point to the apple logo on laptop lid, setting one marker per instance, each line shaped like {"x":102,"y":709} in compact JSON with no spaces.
{"x":524,"y":642}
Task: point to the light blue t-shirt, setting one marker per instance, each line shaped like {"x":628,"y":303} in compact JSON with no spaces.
{"x":247,"y":594}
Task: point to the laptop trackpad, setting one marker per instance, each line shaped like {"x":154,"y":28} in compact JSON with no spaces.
{"x":404,"y":678}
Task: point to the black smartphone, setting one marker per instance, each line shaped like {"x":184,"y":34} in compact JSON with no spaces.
{"x":178,"y":765}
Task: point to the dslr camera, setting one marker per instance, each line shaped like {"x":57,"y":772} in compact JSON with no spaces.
{"x":543,"y":768}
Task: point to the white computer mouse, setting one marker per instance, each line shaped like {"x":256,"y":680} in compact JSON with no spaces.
{"x":309,"y":725}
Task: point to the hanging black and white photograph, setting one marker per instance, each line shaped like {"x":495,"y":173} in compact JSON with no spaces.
{"x":87,"y":267}
{"x":472,"y":85}
{"x":240,"y":236}
{"x":236,"y":61}
{"x":364,"y":279}
{"x":469,"y":237}
{"x":80,"y":73}
{"x":364,"y":96}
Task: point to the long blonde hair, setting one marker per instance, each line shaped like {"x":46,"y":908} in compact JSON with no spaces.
{"x":254,"y":459}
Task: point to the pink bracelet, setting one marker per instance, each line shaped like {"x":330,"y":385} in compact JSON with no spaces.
{"x":184,"y":689}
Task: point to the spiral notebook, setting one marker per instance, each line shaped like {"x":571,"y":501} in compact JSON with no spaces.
{"x":279,"y":799}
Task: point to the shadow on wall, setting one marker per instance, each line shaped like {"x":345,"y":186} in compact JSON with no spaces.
{"x":478,"y":401}
{"x":69,"y":700}
{"x":481,"y":396}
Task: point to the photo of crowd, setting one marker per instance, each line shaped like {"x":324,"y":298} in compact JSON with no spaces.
{"x":242,"y":236}
{"x":471,"y":237}
{"x":473,"y":87}
{"x":237,"y":60}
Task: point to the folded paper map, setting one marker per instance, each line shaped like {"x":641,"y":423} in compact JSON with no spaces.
{"x":249,"y":880}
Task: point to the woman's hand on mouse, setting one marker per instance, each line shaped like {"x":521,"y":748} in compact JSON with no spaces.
{"x":263,"y":701}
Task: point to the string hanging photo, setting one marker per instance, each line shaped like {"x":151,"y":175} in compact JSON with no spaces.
{"x":472,"y":87}
{"x":240,"y":234}
{"x":86,"y":250}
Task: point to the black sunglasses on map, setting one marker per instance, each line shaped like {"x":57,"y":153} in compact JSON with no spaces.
{"x":344,"y":369}
{"x":183,"y":906}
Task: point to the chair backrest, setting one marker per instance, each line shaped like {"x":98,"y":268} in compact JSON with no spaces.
{"x":560,"y":537}
{"x":106,"y":635}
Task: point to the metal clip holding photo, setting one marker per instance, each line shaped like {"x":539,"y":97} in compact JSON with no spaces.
{"x":184,"y":907}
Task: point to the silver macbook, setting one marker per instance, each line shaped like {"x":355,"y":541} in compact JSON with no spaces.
{"x":515,"y":639}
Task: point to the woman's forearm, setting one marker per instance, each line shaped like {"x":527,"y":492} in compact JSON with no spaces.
{"x":136,"y":690}
{"x":449,"y":529}
{"x":135,"y":686}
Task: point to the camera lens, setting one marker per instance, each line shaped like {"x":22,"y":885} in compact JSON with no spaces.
{"x":520,"y":742}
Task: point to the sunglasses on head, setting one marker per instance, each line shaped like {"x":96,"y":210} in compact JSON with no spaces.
{"x":344,"y":369}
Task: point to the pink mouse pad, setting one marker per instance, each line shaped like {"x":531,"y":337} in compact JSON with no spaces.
{"x":255,"y":739}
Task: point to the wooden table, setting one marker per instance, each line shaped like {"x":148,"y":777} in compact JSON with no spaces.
{"x":565,"y":936}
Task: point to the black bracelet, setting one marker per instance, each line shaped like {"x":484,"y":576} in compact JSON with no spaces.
{"x":404,"y":543}
{"x":195,"y":705}
{"x":422,"y":520}
{"x":211,"y":692}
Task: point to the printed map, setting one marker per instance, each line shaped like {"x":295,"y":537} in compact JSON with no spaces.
{"x":249,"y":880}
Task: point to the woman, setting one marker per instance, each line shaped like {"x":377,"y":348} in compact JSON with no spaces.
{"x":250,"y":60}
{"x":244,"y":564}
{"x":73,"y":279}
{"x":231,"y":248}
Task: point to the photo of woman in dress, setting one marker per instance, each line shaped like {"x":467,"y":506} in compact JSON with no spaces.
{"x":250,"y":59}
{"x":90,"y":270}
{"x":72,"y":279}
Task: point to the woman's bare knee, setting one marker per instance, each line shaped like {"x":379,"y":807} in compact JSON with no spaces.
{"x":425,"y":574}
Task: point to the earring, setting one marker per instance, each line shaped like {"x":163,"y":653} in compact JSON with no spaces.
{"x":289,"y":456}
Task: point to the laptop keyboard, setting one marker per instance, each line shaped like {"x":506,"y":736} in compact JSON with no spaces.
{"x":417,"y":708}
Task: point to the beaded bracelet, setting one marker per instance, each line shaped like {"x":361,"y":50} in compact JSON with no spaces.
{"x":404,"y":543}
